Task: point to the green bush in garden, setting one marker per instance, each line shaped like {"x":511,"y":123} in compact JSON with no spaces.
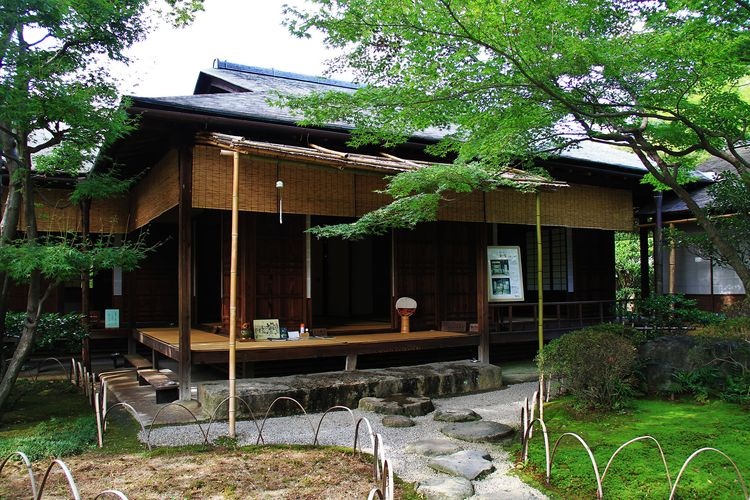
{"x":56,"y":333}
{"x":595,"y":365}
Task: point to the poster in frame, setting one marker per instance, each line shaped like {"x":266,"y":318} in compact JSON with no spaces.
{"x":504,"y":274}
{"x":266,"y":329}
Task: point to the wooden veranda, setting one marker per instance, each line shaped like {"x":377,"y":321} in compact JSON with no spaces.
{"x":210,"y":348}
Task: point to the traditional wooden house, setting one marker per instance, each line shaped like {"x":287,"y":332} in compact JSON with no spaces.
{"x":474,"y":270}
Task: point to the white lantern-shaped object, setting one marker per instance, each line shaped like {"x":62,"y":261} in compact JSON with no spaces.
{"x":405,"y":306}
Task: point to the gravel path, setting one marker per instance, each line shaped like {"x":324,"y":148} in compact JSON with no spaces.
{"x":338,"y":429}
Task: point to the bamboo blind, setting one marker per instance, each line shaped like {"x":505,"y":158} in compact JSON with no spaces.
{"x":307,"y":189}
{"x":576,"y":206}
{"x":318,"y":190}
{"x":462,"y":207}
{"x":56,"y":214}
{"x":157,"y":192}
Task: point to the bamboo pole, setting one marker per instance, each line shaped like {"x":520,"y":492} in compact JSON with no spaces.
{"x":233,"y":293}
{"x":540,"y":287}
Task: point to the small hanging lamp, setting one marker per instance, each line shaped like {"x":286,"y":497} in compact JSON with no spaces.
{"x":279,"y":187}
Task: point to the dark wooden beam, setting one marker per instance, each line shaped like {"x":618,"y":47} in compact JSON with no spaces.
{"x":483,"y":352}
{"x":184,"y":253}
{"x":645,"y":275}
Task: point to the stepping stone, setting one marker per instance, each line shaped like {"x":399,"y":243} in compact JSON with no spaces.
{"x":478,"y":432}
{"x":465,"y":415}
{"x":442,"y":488}
{"x":432,"y":447}
{"x":469,"y":464}
{"x":398,"y":404}
{"x":397,"y":421}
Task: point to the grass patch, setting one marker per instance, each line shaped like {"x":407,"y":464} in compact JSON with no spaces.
{"x":46,"y":419}
{"x":681,"y":427}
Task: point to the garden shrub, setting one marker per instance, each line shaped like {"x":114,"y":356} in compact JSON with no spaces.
{"x":56,"y":333}
{"x":595,"y":365}
{"x":665,"y":312}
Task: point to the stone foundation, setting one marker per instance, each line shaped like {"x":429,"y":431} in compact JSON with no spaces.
{"x":320,"y":391}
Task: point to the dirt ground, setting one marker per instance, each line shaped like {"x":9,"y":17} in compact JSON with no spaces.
{"x":263,"y":472}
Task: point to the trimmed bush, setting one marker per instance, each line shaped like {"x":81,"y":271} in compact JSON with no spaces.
{"x":56,"y":333}
{"x":595,"y":365}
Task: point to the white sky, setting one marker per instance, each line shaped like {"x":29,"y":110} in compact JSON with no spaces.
{"x":241,"y":31}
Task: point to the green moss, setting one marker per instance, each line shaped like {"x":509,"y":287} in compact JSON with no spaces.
{"x":681,"y":427}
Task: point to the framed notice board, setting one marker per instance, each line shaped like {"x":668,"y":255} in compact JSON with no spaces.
{"x":504,"y":274}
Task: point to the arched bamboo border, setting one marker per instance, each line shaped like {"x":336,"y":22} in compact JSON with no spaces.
{"x":268,"y":411}
{"x":216,"y":409}
{"x":29,"y":469}
{"x":174,"y":403}
{"x":40,"y":364}
{"x":331,"y":410}
{"x":640,"y":438}
{"x":695,"y":454}
{"x":68,"y":476}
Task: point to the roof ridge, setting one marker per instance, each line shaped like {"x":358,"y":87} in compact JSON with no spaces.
{"x":256,"y":70}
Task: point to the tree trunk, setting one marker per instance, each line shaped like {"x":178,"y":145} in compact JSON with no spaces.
{"x":34,"y":299}
{"x":8,"y":225}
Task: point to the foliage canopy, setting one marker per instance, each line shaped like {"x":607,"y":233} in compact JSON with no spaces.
{"x":510,"y":81}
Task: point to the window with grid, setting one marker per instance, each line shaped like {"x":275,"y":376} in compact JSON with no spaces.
{"x":555,"y":259}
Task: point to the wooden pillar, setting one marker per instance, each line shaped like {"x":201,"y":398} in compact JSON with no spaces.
{"x":184,"y":252}
{"x":645,"y":266}
{"x":658,"y":264}
{"x":483,"y":353}
{"x":85,"y":277}
{"x":672,"y":264}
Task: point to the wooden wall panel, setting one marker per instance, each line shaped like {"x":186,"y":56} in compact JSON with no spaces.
{"x":593,"y":264}
{"x":156,"y":193}
{"x":280,"y":269}
{"x":457,"y":272}
{"x":153,"y":289}
{"x":417,"y":273}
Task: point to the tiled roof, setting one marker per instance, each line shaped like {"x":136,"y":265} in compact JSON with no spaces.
{"x":262,"y":84}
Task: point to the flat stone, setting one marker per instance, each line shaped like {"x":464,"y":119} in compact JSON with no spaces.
{"x":397,"y":421}
{"x":446,"y":488}
{"x":320,"y":391}
{"x":464,"y":415}
{"x":432,"y":447}
{"x":398,"y":404}
{"x":478,"y":432}
{"x":469,"y":464}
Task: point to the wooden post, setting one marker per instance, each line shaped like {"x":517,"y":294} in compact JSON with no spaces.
{"x":184,"y":253}
{"x":85,"y":277}
{"x":658,"y":264}
{"x":672,"y":264}
{"x":645,"y":281}
{"x":483,"y":352}
{"x":233,"y":292}
{"x":539,"y":273}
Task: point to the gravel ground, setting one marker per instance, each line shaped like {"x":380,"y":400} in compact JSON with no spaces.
{"x":337,"y":428}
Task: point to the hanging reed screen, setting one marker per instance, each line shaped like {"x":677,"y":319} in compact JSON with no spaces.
{"x":157,"y":192}
{"x":56,"y":214}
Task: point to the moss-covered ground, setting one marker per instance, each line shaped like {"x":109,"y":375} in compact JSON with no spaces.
{"x":681,"y":427}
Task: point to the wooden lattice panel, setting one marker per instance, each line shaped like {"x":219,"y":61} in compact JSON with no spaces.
{"x":157,"y":192}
